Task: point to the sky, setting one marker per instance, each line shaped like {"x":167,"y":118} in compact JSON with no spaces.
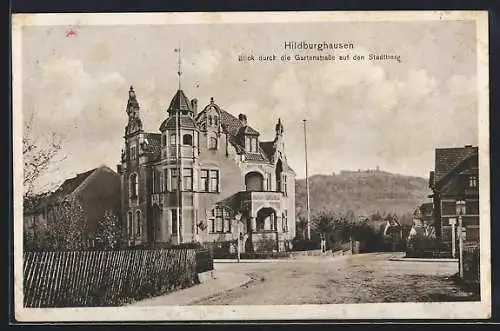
{"x":360,"y":114}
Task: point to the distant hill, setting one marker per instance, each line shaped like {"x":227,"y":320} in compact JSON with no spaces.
{"x":362,"y":193}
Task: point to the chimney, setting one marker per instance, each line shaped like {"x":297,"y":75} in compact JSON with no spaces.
{"x":194,"y":106}
{"x":468,"y":146}
{"x":243,"y":119}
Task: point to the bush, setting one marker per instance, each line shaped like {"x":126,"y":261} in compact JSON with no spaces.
{"x":426,"y":247}
{"x":220,"y":250}
{"x":204,"y":261}
{"x":306,"y":245}
{"x":337,"y":246}
{"x":194,"y":245}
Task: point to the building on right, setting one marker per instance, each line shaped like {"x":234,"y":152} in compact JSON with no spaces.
{"x":455,"y":178}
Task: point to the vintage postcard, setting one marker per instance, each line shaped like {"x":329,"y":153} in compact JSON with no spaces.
{"x":251,"y":166}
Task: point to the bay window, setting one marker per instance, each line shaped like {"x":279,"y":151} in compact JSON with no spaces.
{"x":214,"y":181}
{"x":204,"y":180}
{"x":187,"y":179}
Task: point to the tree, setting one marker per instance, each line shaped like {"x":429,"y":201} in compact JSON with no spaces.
{"x":301,"y":227}
{"x":35,"y":237}
{"x":324,"y":222}
{"x":37,"y":156}
{"x":66,"y":226}
{"x":108,"y":234}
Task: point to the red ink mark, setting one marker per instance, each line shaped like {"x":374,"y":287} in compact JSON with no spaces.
{"x":71,"y":33}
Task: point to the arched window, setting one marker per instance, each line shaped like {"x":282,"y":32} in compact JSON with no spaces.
{"x":130,"y":226}
{"x":138,"y":223}
{"x":212,"y":143}
{"x":187,"y":139}
{"x":216,"y":120}
{"x":254,"y":181}
{"x":266,"y":220}
{"x":133,"y":186}
{"x":209,"y":120}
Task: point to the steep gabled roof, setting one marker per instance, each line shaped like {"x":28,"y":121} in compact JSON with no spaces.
{"x":152,"y":143}
{"x":268,"y":148}
{"x":235,"y":129}
{"x":233,"y":125}
{"x":71,"y":184}
{"x":447,"y":159}
{"x":68,"y":187}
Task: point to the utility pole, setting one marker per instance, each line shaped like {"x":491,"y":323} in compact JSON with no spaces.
{"x":307,"y":186}
{"x":238,"y":241}
{"x":460,"y":211}
{"x":453,"y":222}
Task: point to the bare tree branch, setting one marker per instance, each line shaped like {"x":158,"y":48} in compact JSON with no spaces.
{"x":37,"y":156}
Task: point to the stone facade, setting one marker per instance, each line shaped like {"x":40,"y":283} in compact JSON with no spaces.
{"x":230,"y":182}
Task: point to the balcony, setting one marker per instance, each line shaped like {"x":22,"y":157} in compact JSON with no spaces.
{"x":255,"y":200}
{"x":260,"y":196}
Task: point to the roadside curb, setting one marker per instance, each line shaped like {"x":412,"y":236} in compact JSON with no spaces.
{"x":220,"y":283}
{"x":251,"y":260}
{"x":244,"y":280}
{"x":411,"y":259}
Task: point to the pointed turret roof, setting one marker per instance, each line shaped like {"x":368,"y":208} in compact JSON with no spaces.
{"x":179,"y":103}
{"x":185,"y":122}
{"x":133,"y":109}
{"x":132,"y":103}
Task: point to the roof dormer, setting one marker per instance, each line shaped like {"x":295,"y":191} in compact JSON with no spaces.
{"x":248,"y":137}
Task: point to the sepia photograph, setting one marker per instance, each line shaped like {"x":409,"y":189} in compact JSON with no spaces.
{"x":251,"y":166}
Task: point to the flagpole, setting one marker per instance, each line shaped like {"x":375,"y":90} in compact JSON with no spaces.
{"x":307,"y":186}
{"x":178,"y":156}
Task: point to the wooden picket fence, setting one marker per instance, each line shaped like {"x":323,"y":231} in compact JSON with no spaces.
{"x":104,"y":278}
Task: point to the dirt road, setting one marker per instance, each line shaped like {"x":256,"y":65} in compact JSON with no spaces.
{"x":358,"y":279}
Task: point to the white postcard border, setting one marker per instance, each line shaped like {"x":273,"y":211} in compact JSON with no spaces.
{"x":425,"y":311}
